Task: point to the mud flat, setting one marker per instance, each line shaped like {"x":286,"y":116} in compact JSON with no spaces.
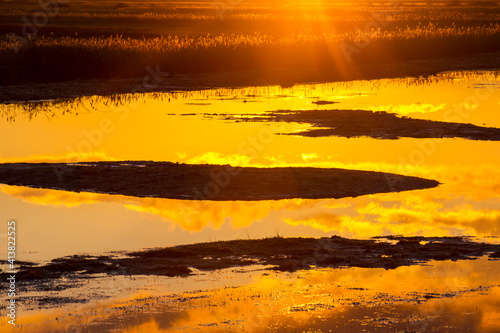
{"x":377,"y":125}
{"x":206,"y":182}
{"x":282,"y":254}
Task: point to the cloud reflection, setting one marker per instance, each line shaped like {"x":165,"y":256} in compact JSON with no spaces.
{"x":466,"y":204}
{"x":463,"y":295}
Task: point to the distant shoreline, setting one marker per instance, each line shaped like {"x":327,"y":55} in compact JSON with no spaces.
{"x":33,"y":92}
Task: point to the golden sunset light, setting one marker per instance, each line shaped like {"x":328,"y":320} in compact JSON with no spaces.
{"x":250,"y":166}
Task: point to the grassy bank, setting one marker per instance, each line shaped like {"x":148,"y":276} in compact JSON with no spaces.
{"x":48,"y":59}
{"x":114,"y":40}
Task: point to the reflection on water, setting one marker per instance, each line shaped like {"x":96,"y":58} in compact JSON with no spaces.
{"x":181,"y":127}
{"x":462,"y":296}
{"x":146,"y":126}
{"x":400,"y":95}
{"x":149,"y":127}
{"x":466,"y":204}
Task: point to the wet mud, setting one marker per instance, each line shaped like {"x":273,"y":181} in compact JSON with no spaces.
{"x":377,"y":125}
{"x":206,"y":182}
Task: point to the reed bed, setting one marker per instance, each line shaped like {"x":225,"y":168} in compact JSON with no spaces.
{"x":169,"y":43}
{"x":66,"y":58}
{"x":238,"y":13}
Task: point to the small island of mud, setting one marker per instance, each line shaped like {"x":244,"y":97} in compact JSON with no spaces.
{"x":377,"y":125}
{"x":278,"y":253}
{"x":206,"y":182}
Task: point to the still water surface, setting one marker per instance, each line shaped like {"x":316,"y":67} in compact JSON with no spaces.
{"x":443,"y":296}
{"x":189,"y":127}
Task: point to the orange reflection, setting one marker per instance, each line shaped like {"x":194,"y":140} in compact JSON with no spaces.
{"x":463,"y":294}
{"x":180,"y":127}
{"x":189,"y":215}
{"x":466,"y":204}
{"x":144,"y":127}
{"x":403,"y":109}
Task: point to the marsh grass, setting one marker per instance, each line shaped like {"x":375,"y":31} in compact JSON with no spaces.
{"x":111,"y":39}
{"x":48,"y":59}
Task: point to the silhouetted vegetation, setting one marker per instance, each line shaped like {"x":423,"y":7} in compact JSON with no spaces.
{"x":121,"y":40}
